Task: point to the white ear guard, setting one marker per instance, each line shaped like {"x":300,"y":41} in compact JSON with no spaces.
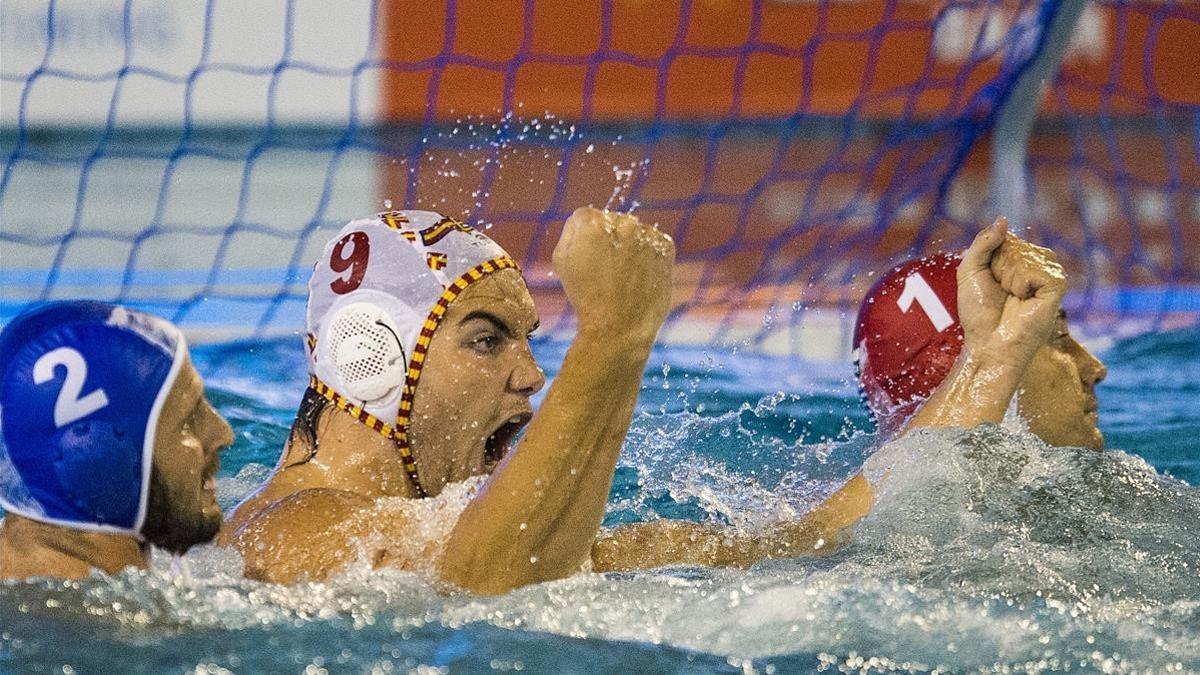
{"x":363,"y":346}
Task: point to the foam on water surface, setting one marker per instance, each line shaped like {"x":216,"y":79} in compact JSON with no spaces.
{"x":986,"y":550}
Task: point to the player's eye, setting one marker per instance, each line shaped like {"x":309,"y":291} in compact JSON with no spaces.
{"x":486,"y":343}
{"x":1061,"y":332}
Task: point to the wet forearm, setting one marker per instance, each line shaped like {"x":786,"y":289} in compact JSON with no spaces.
{"x":669,"y":542}
{"x":978,"y":389}
{"x":538,"y":514}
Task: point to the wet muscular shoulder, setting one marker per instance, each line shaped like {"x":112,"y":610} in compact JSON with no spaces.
{"x":307,"y":535}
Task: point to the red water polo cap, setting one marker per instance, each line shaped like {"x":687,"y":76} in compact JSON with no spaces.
{"x":907,"y":336}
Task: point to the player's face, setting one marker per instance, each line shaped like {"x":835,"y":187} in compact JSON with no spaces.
{"x":1058,"y":394}
{"x":183,"y":507}
{"x":473,"y":396}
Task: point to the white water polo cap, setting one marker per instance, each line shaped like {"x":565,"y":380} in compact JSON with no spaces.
{"x":375,"y":298}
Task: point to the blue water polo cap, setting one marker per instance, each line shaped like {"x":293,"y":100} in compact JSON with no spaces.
{"x":81,"y":388}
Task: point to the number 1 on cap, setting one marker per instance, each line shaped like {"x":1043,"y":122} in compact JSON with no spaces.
{"x":916,"y":288}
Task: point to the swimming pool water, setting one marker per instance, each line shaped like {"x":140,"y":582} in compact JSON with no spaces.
{"x":986,"y":550}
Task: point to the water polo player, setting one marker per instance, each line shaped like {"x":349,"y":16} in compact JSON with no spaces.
{"x":908,"y":338}
{"x":1009,"y":295}
{"x":109,"y":444}
{"x":421,"y":378}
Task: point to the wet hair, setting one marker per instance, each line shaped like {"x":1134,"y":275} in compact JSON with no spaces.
{"x":304,"y":428}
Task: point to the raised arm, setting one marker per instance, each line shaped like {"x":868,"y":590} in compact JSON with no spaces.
{"x":1009,"y":296}
{"x":537,"y":517}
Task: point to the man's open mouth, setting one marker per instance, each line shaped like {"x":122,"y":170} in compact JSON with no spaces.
{"x":497,"y":445}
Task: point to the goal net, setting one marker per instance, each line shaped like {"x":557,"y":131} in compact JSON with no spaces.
{"x":192,"y":158}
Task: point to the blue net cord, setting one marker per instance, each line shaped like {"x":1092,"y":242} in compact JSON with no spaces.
{"x":1128,"y":174}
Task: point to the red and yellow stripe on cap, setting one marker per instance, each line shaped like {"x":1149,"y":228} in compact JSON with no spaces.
{"x":438,"y":231}
{"x":344,"y":404}
{"x":394,"y":219}
{"x":417,"y":362}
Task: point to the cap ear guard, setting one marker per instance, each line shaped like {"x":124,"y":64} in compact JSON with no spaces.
{"x":363,"y":346}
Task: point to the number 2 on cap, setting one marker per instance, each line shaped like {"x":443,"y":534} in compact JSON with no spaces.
{"x":69,"y":407}
{"x":355,"y":262}
{"x":916,"y":288}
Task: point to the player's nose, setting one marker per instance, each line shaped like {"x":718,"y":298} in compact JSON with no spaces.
{"x":219,"y":434}
{"x":1091,"y":369}
{"x":527,"y":377}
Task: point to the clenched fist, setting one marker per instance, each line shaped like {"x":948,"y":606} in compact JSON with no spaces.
{"x":616,"y":273}
{"x":1009,"y":295}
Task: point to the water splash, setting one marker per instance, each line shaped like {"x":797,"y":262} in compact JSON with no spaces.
{"x":623,"y":179}
{"x":986,"y":550}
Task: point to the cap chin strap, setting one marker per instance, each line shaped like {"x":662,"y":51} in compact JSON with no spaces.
{"x":384,"y":429}
{"x":366,"y":359}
